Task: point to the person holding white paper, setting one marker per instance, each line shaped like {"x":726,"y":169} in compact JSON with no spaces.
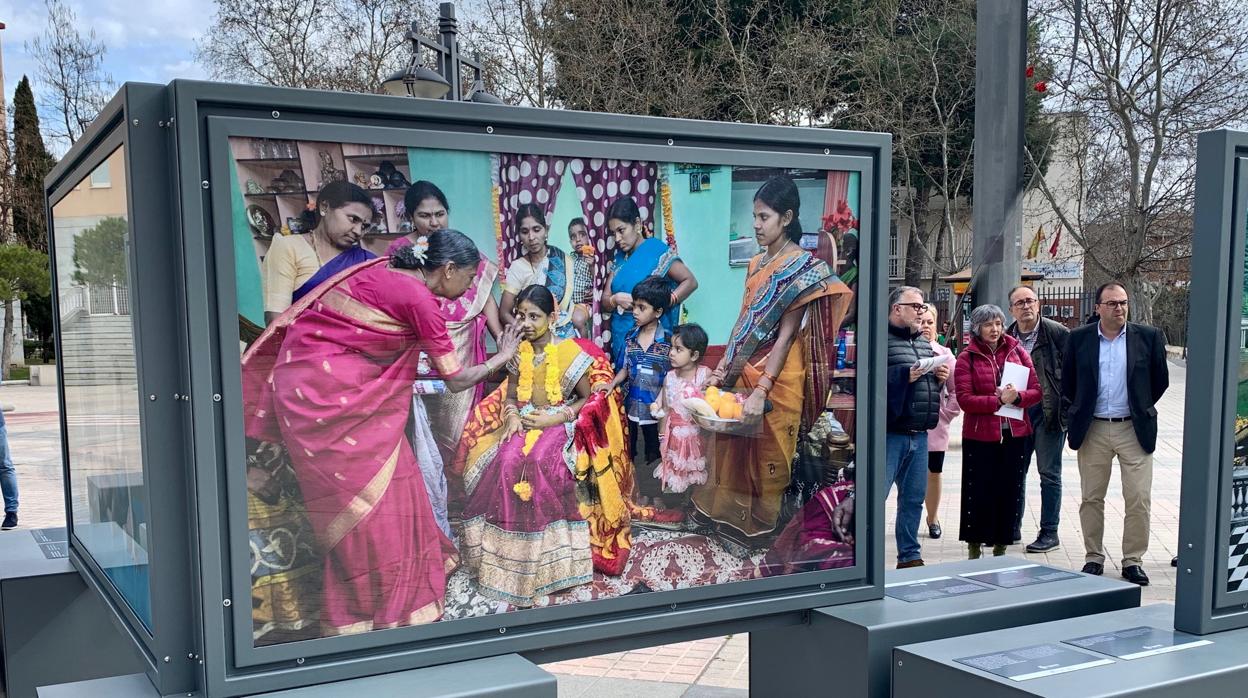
{"x":994,"y":380}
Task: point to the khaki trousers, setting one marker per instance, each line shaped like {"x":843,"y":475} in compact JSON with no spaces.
{"x":1104,"y":441}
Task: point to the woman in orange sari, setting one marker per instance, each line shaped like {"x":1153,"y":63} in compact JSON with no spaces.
{"x":792,"y":308}
{"x":331,"y":378}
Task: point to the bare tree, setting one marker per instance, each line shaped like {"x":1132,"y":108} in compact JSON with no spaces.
{"x":75,"y":86}
{"x":1146,"y":76}
{"x":348,"y":45}
{"x":917,"y":71}
{"x":514,"y":41}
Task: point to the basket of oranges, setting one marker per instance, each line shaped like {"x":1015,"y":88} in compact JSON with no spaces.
{"x":720,"y":411}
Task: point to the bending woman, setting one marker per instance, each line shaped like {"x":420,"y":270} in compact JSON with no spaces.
{"x":544,"y":466}
{"x":636,"y":257}
{"x":331,"y":378}
{"x":296,"y":264}
{"x":790,"y":314}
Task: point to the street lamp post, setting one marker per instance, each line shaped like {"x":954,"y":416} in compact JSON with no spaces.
{"x":445,"y":79}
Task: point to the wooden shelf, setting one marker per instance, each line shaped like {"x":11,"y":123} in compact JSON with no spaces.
{"x":378,"y":157}
{"x":275,"y":163}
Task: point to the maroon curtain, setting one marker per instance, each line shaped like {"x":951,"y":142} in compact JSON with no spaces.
{"x":598,"y":184}
{"x":525,"y":179}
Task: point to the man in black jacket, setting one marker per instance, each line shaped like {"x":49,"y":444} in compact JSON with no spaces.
{"x":913,"y":409}
{"x":1113,"y":374}
{"x":1044,"y":341}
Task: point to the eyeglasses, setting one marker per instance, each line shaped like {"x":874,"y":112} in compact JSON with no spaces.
{"x":1024,"y":302}
{"x":916,"y":307}
{"x":1114,"y":305}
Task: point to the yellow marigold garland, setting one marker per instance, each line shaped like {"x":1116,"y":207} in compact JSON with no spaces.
{"x":495,"y":193}
{"x":524,"y":393}
{"x":665,"y":195}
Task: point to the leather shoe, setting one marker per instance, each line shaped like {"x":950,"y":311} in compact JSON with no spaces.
{"x":1095,"y":568}
{"x":934,"y":530}
{"x":1044,"y":543}
{"x":910,"y":563}
{"x":1135,"y":575}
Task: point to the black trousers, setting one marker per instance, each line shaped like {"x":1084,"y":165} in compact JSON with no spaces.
{"x":643,"y":470}
{"x":992,"y":475}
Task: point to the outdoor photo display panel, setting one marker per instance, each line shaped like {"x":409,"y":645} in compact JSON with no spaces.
{"x":1237,"y":559}
{"x":623,"y":449}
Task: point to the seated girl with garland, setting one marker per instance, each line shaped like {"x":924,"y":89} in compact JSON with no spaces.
{"x":544,"y":467}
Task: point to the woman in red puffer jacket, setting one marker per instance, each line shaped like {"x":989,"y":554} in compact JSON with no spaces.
{"x":993,"y":459}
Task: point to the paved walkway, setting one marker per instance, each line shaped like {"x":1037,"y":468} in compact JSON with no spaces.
{"x":714,"y":667}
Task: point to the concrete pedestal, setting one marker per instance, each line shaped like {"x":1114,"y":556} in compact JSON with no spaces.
{"x":52,"y":627}
{"x":858,"y":639}
{"x":508,"y":676}
{"x":1219,"y":668}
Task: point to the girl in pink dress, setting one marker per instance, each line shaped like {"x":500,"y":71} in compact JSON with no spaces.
{"x":684,"y":456}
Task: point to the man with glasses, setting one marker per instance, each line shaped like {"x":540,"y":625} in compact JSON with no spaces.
{"x":913,"y":409}
{"x":1044,"y":340}
{"x":1113,"y":374}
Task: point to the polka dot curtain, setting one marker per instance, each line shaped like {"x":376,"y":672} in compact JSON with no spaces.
{"x":524,"y":179}
{"x":598,"y":184}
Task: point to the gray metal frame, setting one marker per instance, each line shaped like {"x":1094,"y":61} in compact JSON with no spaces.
{"x":200,"y":326}
{"x":134,"y":119}
{"x":1202,"y":603}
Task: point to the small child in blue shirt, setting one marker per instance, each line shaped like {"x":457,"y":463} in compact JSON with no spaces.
{"x":645,"y":364}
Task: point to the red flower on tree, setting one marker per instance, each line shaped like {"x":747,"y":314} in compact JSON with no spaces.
{"x":1041,"y":86}
{"x":1031,"y":70}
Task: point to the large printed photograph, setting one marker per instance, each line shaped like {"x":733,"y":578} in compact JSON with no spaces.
{"x":481,"y":382}
{"x":1237,"y":556}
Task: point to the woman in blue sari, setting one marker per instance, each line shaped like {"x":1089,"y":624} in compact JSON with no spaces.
{"x":637,"y":257}
{"x":296,"y":264}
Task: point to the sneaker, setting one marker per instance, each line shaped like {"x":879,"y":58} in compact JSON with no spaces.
{"x":910,"y":563}
{"x":1044,"y":543}
{"x":10,"y":521}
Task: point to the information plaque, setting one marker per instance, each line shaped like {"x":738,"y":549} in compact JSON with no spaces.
{"x":1034,"y":662}
{"x":933,"y":588}
{"x":1020,"y":576}
{"x":1138,"y":642}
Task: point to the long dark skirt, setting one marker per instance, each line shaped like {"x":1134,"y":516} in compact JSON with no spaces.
{"x":992,"y":474}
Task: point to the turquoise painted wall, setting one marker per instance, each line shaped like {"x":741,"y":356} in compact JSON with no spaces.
{"x":567,"y":207}
{"x":246,"y":267}
{"x":702,"y":223}
{"x":465,"y":179}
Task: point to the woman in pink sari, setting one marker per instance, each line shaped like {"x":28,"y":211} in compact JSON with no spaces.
{"x":331,"y":378}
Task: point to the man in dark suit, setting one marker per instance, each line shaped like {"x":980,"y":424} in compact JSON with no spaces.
{"x":1113,"y":373}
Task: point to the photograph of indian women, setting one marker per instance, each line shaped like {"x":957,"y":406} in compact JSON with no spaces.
{"x":482,"y":382}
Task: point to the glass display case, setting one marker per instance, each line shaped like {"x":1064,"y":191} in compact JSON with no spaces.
{"x":1212,"y":593}
{"x":423,"y":382}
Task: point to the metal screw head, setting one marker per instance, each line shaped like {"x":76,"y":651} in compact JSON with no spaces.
{"x":276,"y":114}
{"x":898,"y":662}
{"x":827,"y":151}
{"x":671,"y":142}
{"x":673,"y":607}
{"x":502,"y":631}
{"x":489,"y":129}
{"x":300,"y":661}
{"x":823,"y":586}
{"x":161,"y":123}
{"x":1189,"y":570}
{"x":204,"y":184}
{"x":176,"y":396}
{"x":135,"y":122}
{"x":190,"y":655}
{"x":216,"y":397}
{"x":1189,"y":546}
{"x":166,"y":659}
{"x":226,"y":603}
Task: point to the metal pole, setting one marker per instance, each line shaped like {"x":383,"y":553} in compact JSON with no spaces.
{"x":1000,"y":63}
{"x":448,"y":61}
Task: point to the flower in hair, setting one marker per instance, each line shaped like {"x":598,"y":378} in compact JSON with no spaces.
{"x":420,"y":247}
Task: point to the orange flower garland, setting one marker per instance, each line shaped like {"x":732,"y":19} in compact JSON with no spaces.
{"x":665,"y":194}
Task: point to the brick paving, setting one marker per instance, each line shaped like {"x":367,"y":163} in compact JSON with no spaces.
{"x":717,"y":667}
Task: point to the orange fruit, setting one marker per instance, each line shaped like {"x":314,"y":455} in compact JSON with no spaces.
{"x":724,"y":409}
{"x":712,"y":394}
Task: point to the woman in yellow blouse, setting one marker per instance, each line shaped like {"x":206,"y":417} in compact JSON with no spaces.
{"x":297,"y":264}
